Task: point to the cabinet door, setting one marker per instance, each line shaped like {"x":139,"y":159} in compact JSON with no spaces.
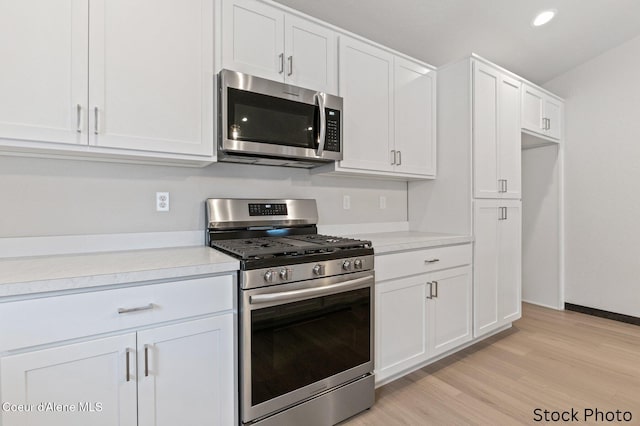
{"x":415,"y":108}
{"x":187,"y":365}
{"x":510,"y":262}
{"x":509,"y":138}
{"x":151,"y":75}
{"x":311,"y":55}
{"x":485,"y":266}
{"x":366,"y":85}
{"x":89,"y":376}
{"x":553,"y":113}
{"x":253,"y":38}
{"x":43,"y":77}
{"x":486,"y":88}
{"x":449,"y":310}
{"x":400,"y":325}
{"x":532,"y":109}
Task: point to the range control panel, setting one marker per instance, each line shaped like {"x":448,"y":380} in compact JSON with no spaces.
{"x":267,"y":209}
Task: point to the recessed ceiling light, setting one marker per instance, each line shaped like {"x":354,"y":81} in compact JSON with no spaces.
{"x":543,"y":17}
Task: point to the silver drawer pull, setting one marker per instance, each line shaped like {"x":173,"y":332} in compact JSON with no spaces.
{"x":431,"y":260}
{"x":138,"y":309}
{"x":128,"y":365}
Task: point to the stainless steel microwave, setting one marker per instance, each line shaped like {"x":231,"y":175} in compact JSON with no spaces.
{"x":266,"y":122}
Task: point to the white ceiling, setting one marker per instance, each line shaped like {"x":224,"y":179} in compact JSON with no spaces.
{"x":441,"y":31}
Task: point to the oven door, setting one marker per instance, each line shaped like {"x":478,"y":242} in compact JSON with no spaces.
{"x":266,"y":118}
{"x":299,"y":340}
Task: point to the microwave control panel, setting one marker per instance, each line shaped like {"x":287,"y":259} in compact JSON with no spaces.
{"x":332,"y":138}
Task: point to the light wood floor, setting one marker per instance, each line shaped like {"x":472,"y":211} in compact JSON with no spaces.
{"x":549,"y":359}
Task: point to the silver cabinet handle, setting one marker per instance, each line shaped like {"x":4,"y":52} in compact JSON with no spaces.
{"x":281,"y":57}
{"x":505,"y":213}
{"x":127,"y":365}
{"x":399,"y":157}
{"x":435,"y":294}
{"x":95,"y":120}
{"x":506,"y":185}
{"x":548,"y":124}
{"x":501,"y":217}
{"x":136,"y":309}
{"x":320,"y":99}
{"x":79,"y":118}
{"x":393,"y":157}
{"x":431,"y":260}
{"x":430,"y":293}
{"x":146,"y":360}
{"x":290,"y":62}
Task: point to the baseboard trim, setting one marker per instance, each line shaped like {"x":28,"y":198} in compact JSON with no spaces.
{"x":603,"y":314}
{"x":544,"y":305}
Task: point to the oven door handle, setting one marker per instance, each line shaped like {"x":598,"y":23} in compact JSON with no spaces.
{"x":319,"y":98}
{"x":308,"y":292}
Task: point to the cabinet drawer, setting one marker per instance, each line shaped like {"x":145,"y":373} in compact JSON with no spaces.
{"x":396,"y":265}
{"x":51,"y":319}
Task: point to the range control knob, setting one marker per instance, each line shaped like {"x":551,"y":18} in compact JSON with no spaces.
{"x":284,"y":274}
{"x":346,"y":265}
{"x":268,"y":276}
{"x":357,"y":264}
{"x":318,"y":269}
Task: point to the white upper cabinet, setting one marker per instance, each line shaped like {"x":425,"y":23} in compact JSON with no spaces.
{"x":151,"y":84}
{"x":541,"y":113}
{"x":496,"y":134}
{"x":366,"y":78}
{"x":43,"y":77}
{"x":253,"y":38}
{"x":415,"y":127}
{"x":267,"y":42}
{"x":389,"y":113}
{"x":311,"y":55}
{"x":113,"y":79}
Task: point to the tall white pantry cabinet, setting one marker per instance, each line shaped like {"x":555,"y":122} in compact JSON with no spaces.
{"x":478,"y":190}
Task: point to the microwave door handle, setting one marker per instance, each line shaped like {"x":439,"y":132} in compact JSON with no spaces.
{"x":319,"y":98}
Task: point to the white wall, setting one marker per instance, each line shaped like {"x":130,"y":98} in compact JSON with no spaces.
{"x":602,"y":180}
{"x":44,"y":197}
{"x":541,"y":226}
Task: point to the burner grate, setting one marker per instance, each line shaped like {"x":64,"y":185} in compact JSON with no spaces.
{"x":293,"y":245}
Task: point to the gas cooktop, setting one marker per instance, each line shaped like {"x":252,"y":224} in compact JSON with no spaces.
{"x":293,"y":245}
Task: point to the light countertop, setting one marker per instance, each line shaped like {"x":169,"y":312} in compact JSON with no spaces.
{"x":28,"y":275}
{"x":389,"y":242}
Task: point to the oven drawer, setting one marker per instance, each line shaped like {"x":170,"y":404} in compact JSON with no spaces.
{"x":396,"y":265}
{"x":52,"y":319}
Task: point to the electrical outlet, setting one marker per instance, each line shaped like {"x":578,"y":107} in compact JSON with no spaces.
{"x":383,"y":202}
{"x":162,"y":201}
{"x":346,"y":202}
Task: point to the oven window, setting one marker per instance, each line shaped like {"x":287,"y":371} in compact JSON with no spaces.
{"x":299,"y":343}
{"x":255,"y":117}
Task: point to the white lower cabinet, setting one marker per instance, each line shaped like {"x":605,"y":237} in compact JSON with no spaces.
{"x":420,"y":317}
{"x":184,"y":373}
{"x":88,"y":377}
{"x":449,"y":309}
{"x":158,"y":373}
{"x":497,"y":264}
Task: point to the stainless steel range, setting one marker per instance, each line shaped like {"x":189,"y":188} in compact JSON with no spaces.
{"x":305,"y":312}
